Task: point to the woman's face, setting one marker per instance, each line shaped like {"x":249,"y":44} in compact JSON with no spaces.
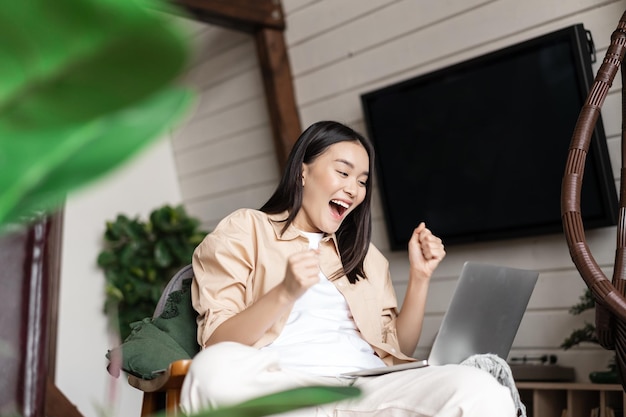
{"x":334,"y":184}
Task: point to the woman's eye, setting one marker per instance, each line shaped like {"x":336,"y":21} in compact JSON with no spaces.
{"x":343,"y":174}
{"x":363,"y":183}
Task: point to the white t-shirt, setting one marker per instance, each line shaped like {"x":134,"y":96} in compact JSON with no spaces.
{"x":320,"y":336}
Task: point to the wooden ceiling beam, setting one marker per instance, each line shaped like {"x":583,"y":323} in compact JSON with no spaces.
{"x":279,"y":91}
{"x":264,"y":19}
{"x":243,"y":15}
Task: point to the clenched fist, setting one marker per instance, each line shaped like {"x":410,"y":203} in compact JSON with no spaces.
{"x":302,"y":273}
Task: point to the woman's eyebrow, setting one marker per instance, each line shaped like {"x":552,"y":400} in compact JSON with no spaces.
{"x":351,"y":165}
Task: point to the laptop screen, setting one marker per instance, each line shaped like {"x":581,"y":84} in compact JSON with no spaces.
{"x":484,"y":314}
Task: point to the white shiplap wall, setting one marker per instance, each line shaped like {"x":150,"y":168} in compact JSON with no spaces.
{"x":340,"y":49}
{"x":225,"y":153}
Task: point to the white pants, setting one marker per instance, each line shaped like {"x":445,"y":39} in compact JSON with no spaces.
{"x":229,"y":373}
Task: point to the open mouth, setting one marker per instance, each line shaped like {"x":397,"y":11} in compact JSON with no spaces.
{"x":339,"y":207}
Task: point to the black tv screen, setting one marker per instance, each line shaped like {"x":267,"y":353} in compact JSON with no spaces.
{"x":477,"y":150}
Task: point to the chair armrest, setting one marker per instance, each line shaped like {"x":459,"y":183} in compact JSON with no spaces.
{"x":172,"y":378}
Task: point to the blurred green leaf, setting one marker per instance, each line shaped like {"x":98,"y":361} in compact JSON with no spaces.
{"x":114,"y":293}
{"x":162,"y":254}
{"x":89,"y":57}
{"x":585,"y":334}
{"x":106,"y":258}
{"x":137,"y":272}
{"x":43,"y":165}
{"x":81,"y":93}
{"x":303,"y":397}
{"x":284,"y":401}
{"x":181,"y":246}
{"x":585,"y":302}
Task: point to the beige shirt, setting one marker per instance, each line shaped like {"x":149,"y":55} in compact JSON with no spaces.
{"x":246,"y":256}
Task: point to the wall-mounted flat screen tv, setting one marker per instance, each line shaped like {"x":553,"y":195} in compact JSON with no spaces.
{"x":477,"y":150}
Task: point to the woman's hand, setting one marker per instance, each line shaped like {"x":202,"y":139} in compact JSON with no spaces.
{"x":425,"y":252}
{"x":302,"y":273}
{"x":250,"y":324}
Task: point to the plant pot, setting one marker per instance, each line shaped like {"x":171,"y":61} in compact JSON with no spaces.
{"x":604,"y":377}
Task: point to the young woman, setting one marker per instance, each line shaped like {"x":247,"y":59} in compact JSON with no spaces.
{"x":294,"y":294}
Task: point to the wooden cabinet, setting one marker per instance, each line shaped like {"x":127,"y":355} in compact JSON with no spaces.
{"x":556,"y":399}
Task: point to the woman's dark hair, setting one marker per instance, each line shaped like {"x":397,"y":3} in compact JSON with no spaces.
{"x":354,"y":234}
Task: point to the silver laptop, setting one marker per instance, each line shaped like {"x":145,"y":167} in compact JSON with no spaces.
{"x":483,"y":317}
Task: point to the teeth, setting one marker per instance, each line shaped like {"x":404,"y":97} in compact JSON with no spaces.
{"x":340,"y":203}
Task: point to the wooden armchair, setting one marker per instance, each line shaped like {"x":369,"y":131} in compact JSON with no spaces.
{"x":162,"y":392}
{"x":609,"y":295}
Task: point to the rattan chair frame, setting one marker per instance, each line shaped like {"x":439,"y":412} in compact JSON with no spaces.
{"x":608,"y":294}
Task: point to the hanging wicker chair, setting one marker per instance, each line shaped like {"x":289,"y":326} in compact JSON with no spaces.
{"x":609,"y":295}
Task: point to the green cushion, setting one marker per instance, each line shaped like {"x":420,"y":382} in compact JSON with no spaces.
{"x":155,"y":343}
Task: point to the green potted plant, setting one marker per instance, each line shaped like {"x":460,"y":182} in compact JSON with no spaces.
{"x":587,"y":333}
{"x":139,"y":258}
